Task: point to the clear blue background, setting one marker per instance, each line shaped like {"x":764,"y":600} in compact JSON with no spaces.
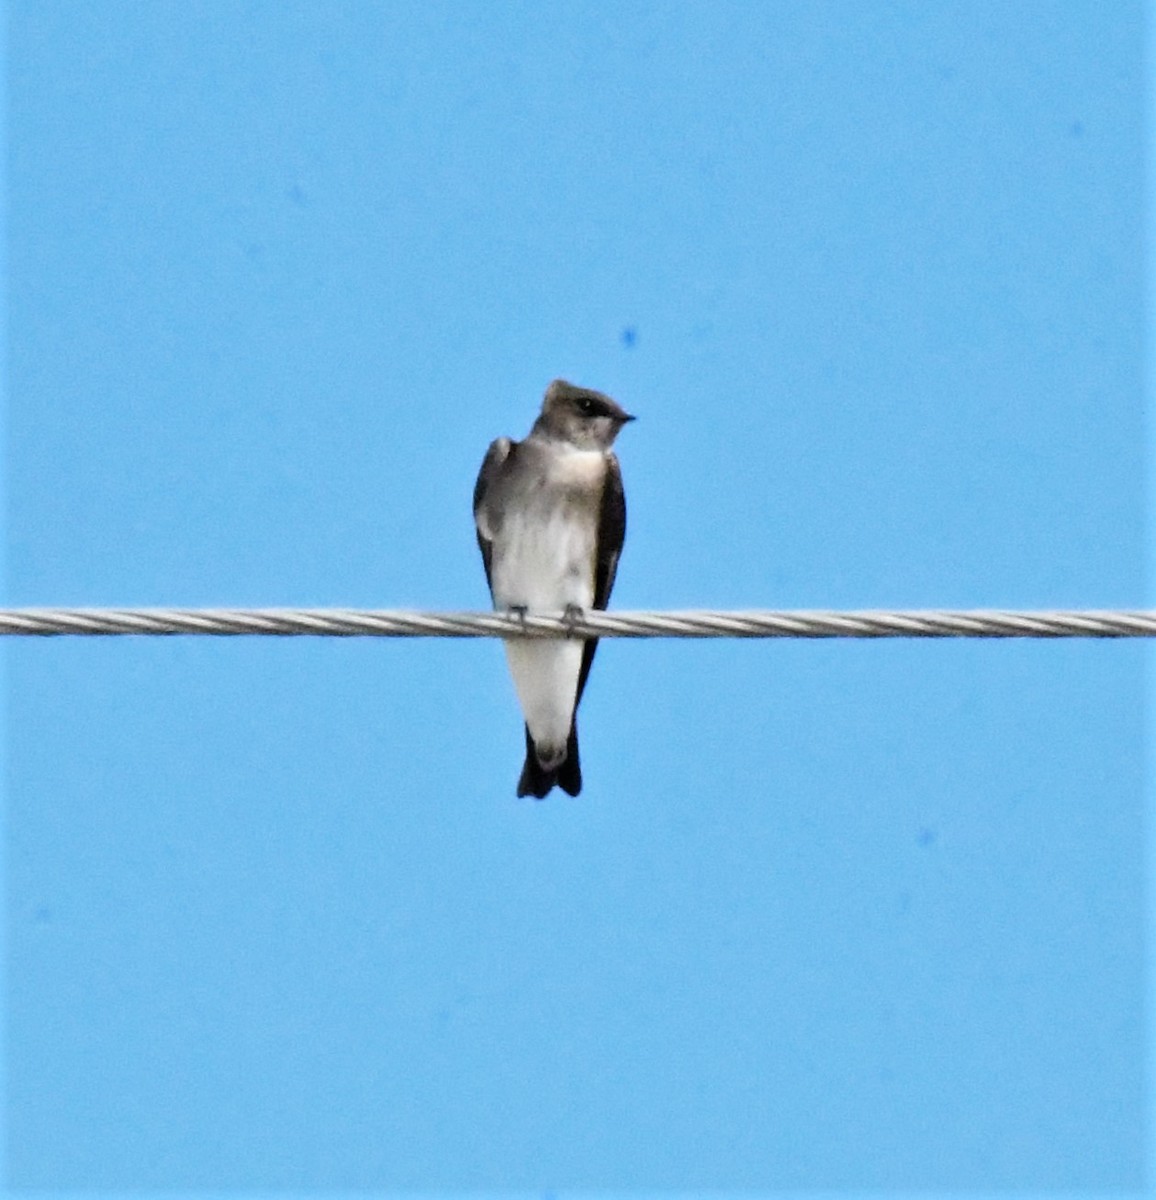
{"x":839,"y":915}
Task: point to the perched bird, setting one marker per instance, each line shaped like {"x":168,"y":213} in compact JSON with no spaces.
{"x":551,"y":518}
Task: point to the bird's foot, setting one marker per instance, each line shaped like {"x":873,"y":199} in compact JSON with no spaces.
{"x":572,"y":614}
{"x":519,"y":611}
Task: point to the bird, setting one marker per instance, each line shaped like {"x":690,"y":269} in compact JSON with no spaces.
{"x":550,"y":516}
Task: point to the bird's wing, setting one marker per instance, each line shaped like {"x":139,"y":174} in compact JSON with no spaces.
{"x":492,"y":465}
{"x":611,"y":535}
{"x":611,"y":532}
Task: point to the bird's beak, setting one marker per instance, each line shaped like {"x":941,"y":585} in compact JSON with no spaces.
{"x":627,"y":417}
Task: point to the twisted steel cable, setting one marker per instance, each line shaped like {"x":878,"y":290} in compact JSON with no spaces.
{"x":348,"y":622}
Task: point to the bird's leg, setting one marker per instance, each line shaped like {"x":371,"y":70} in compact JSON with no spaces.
{"x":573,"y":613}
{"x":519,"y":610}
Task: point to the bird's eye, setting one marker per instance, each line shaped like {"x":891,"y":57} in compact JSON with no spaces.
{"x":586,"y":406}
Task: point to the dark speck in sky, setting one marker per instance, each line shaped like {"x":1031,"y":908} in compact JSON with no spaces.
{"x":629,"y":336}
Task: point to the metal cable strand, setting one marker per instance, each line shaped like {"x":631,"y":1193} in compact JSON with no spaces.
{"x":349,"y":622}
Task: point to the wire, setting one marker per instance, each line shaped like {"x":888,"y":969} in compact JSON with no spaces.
{"x":348,"y":622}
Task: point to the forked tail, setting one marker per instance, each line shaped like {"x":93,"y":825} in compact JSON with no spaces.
{"x":536,"y":781}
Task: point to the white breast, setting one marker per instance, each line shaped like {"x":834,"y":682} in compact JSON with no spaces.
{"x":544,"y":561}
{"x":543,"y":551}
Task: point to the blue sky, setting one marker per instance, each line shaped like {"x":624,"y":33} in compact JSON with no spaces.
{"x":826,"y":916}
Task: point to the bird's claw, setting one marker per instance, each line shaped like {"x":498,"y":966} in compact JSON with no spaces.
{"x":572,"y":614}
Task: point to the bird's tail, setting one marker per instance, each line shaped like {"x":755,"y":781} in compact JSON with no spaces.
{"x":537,"y":781}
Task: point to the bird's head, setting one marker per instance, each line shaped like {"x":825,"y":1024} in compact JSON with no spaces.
{"x":585,"y":419}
